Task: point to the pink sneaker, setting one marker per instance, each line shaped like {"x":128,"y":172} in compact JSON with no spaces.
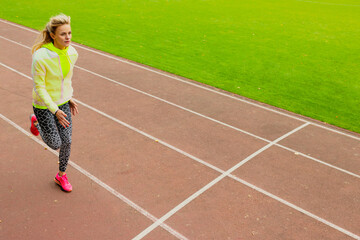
{"x":63,"y":182}
{"x":33,"y":129}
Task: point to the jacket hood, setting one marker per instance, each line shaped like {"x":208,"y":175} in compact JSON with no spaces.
{"x":51,"y":47}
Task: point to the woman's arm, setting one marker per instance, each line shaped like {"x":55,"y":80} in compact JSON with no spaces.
{"x":73,"y":107}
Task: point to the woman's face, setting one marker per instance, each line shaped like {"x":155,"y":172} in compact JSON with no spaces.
{"x":62,"y":36}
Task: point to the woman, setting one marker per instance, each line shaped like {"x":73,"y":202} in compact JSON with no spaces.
{"x":53,"y":62}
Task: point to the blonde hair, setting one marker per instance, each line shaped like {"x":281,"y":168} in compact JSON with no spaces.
{"x":44,"y":36}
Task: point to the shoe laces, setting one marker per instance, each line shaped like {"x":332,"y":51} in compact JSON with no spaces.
{"x":65,"y":179}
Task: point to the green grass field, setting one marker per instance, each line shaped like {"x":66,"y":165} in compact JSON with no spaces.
{"x":302,"y":56}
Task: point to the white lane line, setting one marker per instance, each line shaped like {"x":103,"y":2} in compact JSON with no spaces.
{"x":150,"y":136}
{"x":214,"y":120}
{"x":173,"y":104}
{"x":98,"y":181}
{"x":193,"y":157}
{"x":328,"y":3}
{"x":319,"y":161}
{"x":190,"y":83}
{"x":227,"y":174}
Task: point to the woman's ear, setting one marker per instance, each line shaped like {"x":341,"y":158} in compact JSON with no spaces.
{"x":52,"y":35}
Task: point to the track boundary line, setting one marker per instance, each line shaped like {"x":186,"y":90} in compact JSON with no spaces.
{"x":175,"y":105}
{"x":206,"y":117}
{"x":191,"y":83}
{"x":97,"y":181}
{"x":208,"y":164}
{"x":227,"y":173}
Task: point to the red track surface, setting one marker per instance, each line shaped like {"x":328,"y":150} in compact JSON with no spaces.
{"x":161,"y":157}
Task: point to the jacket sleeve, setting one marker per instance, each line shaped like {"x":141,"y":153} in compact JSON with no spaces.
{"x":38,"y":72}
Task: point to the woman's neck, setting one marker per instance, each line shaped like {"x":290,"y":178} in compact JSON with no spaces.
{"x":59,"y":46}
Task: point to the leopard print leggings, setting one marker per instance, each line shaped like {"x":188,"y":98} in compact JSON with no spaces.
{"x":54,"y":134}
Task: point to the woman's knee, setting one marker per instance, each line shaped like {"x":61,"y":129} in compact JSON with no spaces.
{"x":60,"y":144}
{"x":54,"y":142}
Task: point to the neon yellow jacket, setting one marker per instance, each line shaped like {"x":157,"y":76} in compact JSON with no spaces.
{"x":52,"y":70}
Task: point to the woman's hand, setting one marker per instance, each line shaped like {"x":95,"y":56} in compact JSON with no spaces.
{"x":73,"y":107}
{"x":61,"y":116}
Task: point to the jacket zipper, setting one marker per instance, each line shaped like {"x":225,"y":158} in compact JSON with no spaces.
{"x":62,"y":80}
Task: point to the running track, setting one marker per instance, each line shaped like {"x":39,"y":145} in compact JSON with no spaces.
{"x":156,"y":156}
